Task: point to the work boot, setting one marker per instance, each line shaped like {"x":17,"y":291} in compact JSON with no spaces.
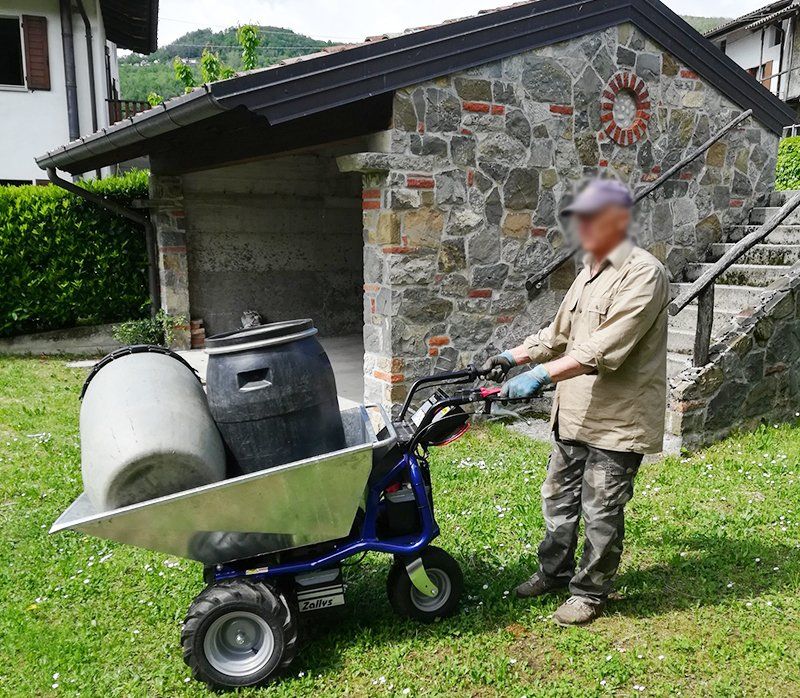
{"x":577,"y":611}
{"x":536,"y":586}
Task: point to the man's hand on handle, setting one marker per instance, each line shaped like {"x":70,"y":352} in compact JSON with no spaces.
{"x":498,"y":367}
{"x":527,"y":385}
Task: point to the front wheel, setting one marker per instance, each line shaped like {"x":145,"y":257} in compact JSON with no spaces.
{"x":409,"y":602}
{"x":238,"y":634}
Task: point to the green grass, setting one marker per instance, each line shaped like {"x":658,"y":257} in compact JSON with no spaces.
{"x":707,"y":602}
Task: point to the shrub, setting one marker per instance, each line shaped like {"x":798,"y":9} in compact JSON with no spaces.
{"x":788,"y":175}
{"x":158,"y":330}
{"x":67,"y":262}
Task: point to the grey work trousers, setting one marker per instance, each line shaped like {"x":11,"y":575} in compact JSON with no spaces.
{"x":597,"y":484}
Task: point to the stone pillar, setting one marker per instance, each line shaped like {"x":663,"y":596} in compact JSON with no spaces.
{"x":169,"y":219}
{"x":404,"y":330}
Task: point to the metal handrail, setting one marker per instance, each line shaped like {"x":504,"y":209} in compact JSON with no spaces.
{"x":535,"y":282}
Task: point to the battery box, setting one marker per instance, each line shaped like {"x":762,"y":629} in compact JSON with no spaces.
{"x":317,"y":591}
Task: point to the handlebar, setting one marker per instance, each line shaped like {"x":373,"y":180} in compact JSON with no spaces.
{"x":461,"y":398}
{"x":468,"y":375}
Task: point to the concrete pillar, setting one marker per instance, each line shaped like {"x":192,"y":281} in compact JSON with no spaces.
{"x":169,"y":219}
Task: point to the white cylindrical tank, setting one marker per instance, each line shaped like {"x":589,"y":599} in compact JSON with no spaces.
{"x":146,"y":430}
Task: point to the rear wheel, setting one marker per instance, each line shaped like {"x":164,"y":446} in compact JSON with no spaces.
{"x":410,"y":602}
{"x":238,"y":634}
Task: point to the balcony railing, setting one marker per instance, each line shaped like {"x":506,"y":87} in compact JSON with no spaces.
{"x":120,"y":109}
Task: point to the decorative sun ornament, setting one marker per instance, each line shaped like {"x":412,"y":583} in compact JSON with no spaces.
{"x":625,"y":108}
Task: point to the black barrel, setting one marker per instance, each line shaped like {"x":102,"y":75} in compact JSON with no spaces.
{"x":273,"y":396}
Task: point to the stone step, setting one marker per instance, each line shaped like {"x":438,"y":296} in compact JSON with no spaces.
{"x":676,"y":363}
{"x":728,"y":299}
{"x":760,"y":215}
{"x":782,"y":235}
{"x":680,"y":341}
{"x":773,"y":255}
{"x":740,"y":274}
{"x":779,"y":198}
{"x":687,"y":319}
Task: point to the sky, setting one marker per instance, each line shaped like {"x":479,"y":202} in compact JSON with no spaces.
{"x":353,"y":20}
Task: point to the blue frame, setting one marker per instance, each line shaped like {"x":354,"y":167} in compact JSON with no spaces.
{"x":368,"y":541}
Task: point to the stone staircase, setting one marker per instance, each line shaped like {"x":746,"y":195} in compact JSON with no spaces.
{"x":742,"y":285}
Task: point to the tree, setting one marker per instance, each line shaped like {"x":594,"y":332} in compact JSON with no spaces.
{"x":185,"y":74}
{"x":249,"y":40}
{"x":210,"y":66}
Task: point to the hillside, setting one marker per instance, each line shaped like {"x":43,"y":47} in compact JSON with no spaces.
{"x":706,"y":24}
{"x":141,"y":75}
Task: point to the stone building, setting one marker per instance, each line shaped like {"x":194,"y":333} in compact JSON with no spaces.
{"x":410,"y":186}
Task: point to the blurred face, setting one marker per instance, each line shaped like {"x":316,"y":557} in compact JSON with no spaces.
{"x":601,"y":232}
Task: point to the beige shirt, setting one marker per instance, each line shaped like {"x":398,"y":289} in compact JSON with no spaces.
{"x":616,"y":323}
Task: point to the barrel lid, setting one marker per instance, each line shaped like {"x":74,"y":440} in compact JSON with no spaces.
{"x":137,"y":349}
{"x":258,"y":337}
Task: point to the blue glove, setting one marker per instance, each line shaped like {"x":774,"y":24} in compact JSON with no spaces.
{"x":527,"y":385}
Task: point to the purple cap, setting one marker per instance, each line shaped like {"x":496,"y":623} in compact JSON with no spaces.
{"x":597,"y":195}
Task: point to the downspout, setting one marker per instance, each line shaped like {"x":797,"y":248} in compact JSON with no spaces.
{"x":130,"y":214}
{"x":70,"y":80}
{"x":780,"y":63}
{"x":790,"y":52}
{"x":90,"y":59}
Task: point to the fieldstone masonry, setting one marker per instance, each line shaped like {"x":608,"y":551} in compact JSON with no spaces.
{"x":753,"y":375}
{"x":463,"y":206}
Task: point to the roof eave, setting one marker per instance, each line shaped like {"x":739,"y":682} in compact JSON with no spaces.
{"x":293,"y":91}
{"x":183,"y":111}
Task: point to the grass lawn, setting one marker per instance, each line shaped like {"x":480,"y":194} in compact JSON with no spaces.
{"x":707,"y":598}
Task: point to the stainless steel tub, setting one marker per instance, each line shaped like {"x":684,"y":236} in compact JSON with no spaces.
{"x":294,"y":505}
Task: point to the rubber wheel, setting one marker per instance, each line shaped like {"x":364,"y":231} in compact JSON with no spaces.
{"x":407,"y":601}
{"x":237,"y":634}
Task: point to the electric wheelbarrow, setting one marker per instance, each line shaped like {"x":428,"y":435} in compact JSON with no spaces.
{"x":272,"y":543}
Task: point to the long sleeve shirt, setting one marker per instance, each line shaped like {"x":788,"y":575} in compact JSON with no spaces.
{"x":615,"y":323}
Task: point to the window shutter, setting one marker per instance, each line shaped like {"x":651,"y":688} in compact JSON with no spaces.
{"x":37,"y":54}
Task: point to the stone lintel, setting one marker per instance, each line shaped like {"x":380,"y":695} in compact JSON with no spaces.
{"x":372,"y":163}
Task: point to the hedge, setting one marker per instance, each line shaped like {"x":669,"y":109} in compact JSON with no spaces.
{"x":788,"y":175}
{"x":65,"y":262}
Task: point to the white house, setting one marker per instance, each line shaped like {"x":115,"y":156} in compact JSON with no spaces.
{"x":59,"y":76}
{"x":765,"y":43}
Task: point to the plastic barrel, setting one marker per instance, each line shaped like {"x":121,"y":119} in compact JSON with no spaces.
{"x":272,"y":393}
{"x":146,"y":430}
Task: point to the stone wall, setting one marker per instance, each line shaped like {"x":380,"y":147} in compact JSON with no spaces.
{"x":753,"y":375}
{"x":463,"y":206}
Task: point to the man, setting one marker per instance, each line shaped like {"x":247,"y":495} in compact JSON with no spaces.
{"x":607,"y":351}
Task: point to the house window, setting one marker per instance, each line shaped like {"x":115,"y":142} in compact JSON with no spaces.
{"x":777,"y":36}
{"x":11,"y":66}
